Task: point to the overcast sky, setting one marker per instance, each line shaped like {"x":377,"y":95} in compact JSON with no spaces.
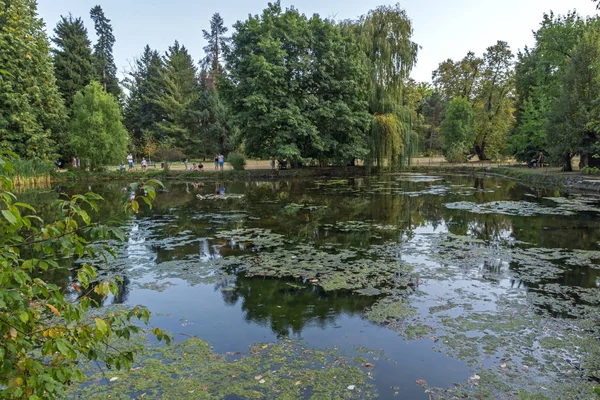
{"x":444,"y":28}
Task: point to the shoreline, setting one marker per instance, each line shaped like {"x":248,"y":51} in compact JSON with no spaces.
{"x":575,"y":183}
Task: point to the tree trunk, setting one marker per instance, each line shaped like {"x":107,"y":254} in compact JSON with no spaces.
{"x":480,"y":150}
{"x":567,"y":167}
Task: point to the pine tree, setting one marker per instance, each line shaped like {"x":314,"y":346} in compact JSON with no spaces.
{"x":144,"y":84}
{"x":73,"y":62}
{"x":106,"y":70}
{"x":32,"y":112}
{"x":180,"y":89}
{"x":214,"y":49}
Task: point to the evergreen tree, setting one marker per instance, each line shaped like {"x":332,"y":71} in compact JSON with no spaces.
{"x":31,"y":109}
{"x":73,"y":62}
{"x":97,"y":132}
{"x":179,"y":90}
{"x":145,"y":83}
{"x":214,"y":50}
{"x":106,"y":70}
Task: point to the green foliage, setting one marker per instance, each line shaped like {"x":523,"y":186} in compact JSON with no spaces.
{"x":32,"y":167}
{"x":214,"y":49}
{"x":297,"y":86}
{"x":529,"y":138}
{"x":237,"y":161}
{"x":32,"y":112}
{"x":72,"y":57}
{"x":433,"y":110}
{"x":575,"y":114}
{"x":144,"y":83}
{"x":488,"y":85}
{"x":389,"y":54}
{"x":45,"y":330}
{"x":104,"y":62}
{"x":97,"y":134}
{"x":458,"y":133}
{"x":540,"y":72}
{"x":178,"y":90}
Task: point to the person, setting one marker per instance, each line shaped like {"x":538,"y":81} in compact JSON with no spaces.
{"x":122,"y":167}
{"x":186,"y":164}
{"x":58,"y":164}
{"x":540,"y":162}
{"x":144,"y":164}
{"x":130,"y":161}
{"x":194,"y":166}
{"x":221,"y":161}
{"x":78,"y":162}
{"x":272,"y":162}
{"x":200,"y":167}
{"x":222,"y":189}
{"x":74,"y":161}
{"x":216,"y":162}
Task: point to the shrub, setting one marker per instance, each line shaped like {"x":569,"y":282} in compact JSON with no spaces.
{"x":237,"y":161}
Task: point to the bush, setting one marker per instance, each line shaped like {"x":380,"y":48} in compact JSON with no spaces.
{"x":456,"y":154}
{"x":237,"y":161}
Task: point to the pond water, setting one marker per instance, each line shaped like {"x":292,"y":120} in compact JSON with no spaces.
{"x":436,"y":286}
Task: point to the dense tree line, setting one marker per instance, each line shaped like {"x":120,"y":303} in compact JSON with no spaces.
{"x":304,"y":89}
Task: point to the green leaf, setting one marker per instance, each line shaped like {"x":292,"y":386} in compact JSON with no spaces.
{"x":101,"y":326}
{"x":24,"y":317}
{"x":10,"y":217}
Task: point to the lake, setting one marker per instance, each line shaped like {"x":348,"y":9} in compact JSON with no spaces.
{"x":395,"y":286}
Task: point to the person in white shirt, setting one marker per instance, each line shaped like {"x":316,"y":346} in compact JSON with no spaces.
{"x":130,"y":161}
{"x":144,"y":164}
{"x":221,"y":161}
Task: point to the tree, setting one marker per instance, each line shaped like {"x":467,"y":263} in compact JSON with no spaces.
{"x":145,"y":83}
{"x":575,"y":116}
{"x":494,"y":105}
{"x":214,"y":50}
{"x":539,"y":74}
{"x":106,"y":70}
{"x":297,"y":87}
{"x":73,"y":61}
{"x":457,"y":130}
{"x":97,"y":134}
{"x":459,"y":79}
{"x":32,"y":112}
{"x":179,"y":90}
{"x":45,"y":333}
{"x":434,"y":111}
{"x":385,"y":39}
{"x":488,"y":85}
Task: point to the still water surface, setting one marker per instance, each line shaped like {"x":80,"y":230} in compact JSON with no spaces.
{"x":230,"y":262}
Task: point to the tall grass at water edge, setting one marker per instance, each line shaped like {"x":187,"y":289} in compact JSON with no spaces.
{"x":32,"y":172}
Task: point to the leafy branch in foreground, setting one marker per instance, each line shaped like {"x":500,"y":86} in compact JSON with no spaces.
{"x":46,"y":330}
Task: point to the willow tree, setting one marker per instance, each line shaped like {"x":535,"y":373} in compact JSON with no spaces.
{"x":385,"y":37}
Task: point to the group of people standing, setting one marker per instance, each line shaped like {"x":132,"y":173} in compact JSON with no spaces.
{"x":219,"y":162}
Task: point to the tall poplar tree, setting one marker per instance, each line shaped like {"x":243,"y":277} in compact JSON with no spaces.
{"x":106,"y":70}
{"x":73,"y":61}
{"x":32,"y":112}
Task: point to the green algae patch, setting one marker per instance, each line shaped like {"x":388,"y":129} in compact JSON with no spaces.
{"x":392,"y":312}
{"x":190,"y":370}
{"x":560,"y":206}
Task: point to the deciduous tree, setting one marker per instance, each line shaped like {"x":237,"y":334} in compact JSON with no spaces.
{"x":97,"y":134}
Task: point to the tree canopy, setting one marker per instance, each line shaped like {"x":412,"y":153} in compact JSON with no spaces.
{"x":32,"y":113}
{"x":97,"y":134}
